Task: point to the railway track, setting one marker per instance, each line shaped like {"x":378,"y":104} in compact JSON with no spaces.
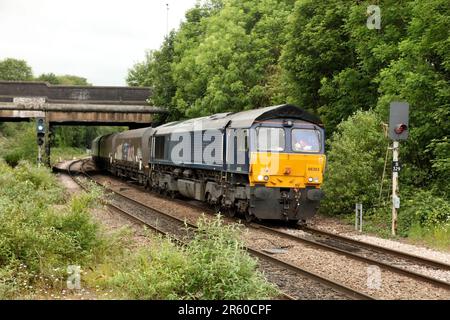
{"x":366,"y":252}
{"x":372,"y":254}
{"x":160,"y":225}
{"x":385,"y":258}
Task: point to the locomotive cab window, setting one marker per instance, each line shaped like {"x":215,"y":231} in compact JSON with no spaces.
{"x":305,"y":140}
{"x":270,"y":139}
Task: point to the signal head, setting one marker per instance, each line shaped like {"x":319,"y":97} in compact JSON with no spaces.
{"x":40,"y":126}
{"x":400,"y":128}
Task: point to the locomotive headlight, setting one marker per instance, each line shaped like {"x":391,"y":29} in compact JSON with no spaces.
{"x":316,"y":180}
{"x":260,"y":177}
{"x":266,"y":178}
{"x":310,"y":179}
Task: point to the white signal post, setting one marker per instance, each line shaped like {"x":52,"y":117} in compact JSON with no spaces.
{"x":395,"y":188}
{"x":398,"y":130}
{"x":39,"y":157}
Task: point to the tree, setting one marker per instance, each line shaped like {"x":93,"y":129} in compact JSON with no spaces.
{"x":156,"y":72}
{"x":317,"y":49}
{"x":230,"y":66}
{"x":331,"y":61}
{"x":71,"y":80}
{"x":49,"y":78}
{"x":67,"y":80}
{"x":15,"y":70}
{"x":355,"y":164}
{"x":421,"y":76}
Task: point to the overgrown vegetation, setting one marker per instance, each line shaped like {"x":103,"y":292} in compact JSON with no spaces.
{"x":42,"y":232}
{"x":18,"y":142}
{"x":212,"y":266}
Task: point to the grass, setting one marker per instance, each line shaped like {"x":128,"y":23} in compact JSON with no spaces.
{"x":66,"y":153}
{"x":213,"y":265}
{"x":437,"y":237}
{"x":378,"y":223}
{"x":43,"y":231}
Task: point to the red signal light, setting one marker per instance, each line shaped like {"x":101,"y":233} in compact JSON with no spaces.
{"x":400,"y":128}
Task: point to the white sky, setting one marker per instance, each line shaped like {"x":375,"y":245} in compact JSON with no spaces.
{"x":96,"y":39}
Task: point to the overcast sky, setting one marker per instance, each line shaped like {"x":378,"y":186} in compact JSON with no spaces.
{"x":96,"y":39}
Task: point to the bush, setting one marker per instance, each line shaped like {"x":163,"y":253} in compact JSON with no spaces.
{"x":212,"y":266}
{"x":219,"y":266}
{"x":38,"y":239}
{"x":423,"y":209}
{"x":20,"y":143}
{"x":355,"y":164}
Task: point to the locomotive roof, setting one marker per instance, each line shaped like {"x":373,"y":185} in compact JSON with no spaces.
{"x":243,"y":119}
{"x":137,"y":133}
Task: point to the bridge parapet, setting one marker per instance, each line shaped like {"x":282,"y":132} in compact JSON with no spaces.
{"x":87,"y":94}
{"x":127,"y":106}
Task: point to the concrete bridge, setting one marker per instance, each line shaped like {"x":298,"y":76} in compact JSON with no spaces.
{"x":76,"y":105}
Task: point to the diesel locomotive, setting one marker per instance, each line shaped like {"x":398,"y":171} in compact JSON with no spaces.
{"x":264,"y":163}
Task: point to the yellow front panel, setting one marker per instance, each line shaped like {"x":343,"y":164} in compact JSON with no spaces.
{"x":286,"y":170}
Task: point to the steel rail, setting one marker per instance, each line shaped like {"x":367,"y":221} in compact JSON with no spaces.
{"x":398,"y":270}
{"x":370,"y":246}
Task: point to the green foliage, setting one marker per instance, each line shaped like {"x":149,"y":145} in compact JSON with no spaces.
{"x":424,"y":209}
{"x":421,"y":77}
{"x":219,"y":266}
{"x":231,"y":67}
{"x":331,"y":59}
{"x":80,"y":136}
{"x":20,"y":143}
{"x":67,"y":80}
{"x":437,"y":236}
{"x":212,"y":266}
{"x":156,"y":72}
{"x":15,"y":70}
{"x":317,"y":48}
{"x":223,"y":58}
{"x":66,"y":153}
{"x":440,"y":160}
{"x":355,"y":164}
{"x":41,"y":234}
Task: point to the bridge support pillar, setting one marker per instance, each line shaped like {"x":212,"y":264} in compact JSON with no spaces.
{"x":47,"y":142}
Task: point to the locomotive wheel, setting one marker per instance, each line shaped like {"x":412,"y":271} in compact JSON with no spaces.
{"x":248,"y":217}
{"x":217,"y":208}
{"x":230,"y":212}
{"x":172,"y":194}
{"x":293,"y":223}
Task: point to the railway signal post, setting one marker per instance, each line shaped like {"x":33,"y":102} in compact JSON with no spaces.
{"x":40,"y":132}
{"x":398,"y":130}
